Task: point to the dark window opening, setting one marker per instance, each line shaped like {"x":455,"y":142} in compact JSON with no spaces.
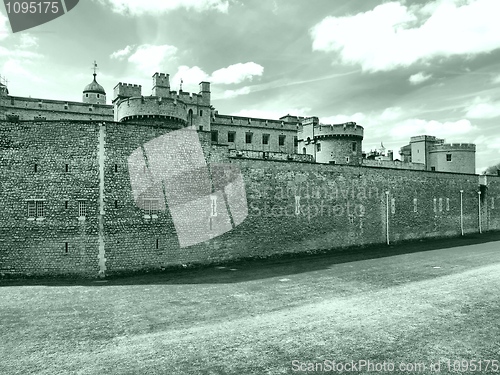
{"x":36,"y":167}
{"x":295,"y":141}
{"x":116,"y":168}
{"x":201,"y":112}
{"x":433,"y":169}
{"x":281,"y":140}
{"x":66,"y":248}
{"x":86,"y":95}
{"x":67,"y":168}
{"x":304,"y":150}
{"x":157,"y":243}
{"x":448,"y":157}
{"x":65,"y":205}
{"x":116,"y":204}
{"x":201,"y":128}
{"x":265,"y":139}
{"x":248,"y":137}
{"x":318,"y":146}
{"x":354,"y":146}
{"x":98,"y":96}
{"x":231,"y":136}
{"x":215,"y":136}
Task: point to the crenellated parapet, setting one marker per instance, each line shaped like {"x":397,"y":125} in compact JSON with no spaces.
{"x":453,"y":147}
{"x":240,"y":122}
{"x":339,"y":130}
{"x":137,"y":108}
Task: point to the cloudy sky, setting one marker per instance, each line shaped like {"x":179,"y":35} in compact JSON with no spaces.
{"x":398,"y":68}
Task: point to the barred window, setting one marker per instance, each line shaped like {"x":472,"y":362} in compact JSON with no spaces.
{"x":415,"y":204}
{"x":151,"y":206}
{"x":82,"y":208}
{"x":447,"y":204}
{"x":35,"y":209}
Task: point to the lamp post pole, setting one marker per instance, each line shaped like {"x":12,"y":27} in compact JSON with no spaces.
{"x":479,"y":211}
{"x":387,"y":216}
{"x":462,"y":211}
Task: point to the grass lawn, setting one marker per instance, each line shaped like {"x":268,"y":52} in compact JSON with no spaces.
{"x":411,"y":303}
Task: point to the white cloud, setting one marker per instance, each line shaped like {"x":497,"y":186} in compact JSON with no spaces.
{"x":4,"y":30}
{"x":237,"y":73}
{"x":418,"y":78}
{"x":155,"y":7}
{"x":483,"y":108}
{"x":234,"y":93}
{"x":28,"y":41}
{"x":391,"y":114}
{"x":340,"y":119}
{"x":150,"y":58}
{"x":122,"y":53}
{"x":393,"y":35}
{"x":413,"y":127}
{"x":273,"y":114}
{"x":191,"y":77}
{"x":496,"y":79}
{"x":15,"y":68}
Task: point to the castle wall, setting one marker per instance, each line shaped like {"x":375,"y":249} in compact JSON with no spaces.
{"x":292,"y":207}
{"x":393,"y":164}
{"x":29,"y":109}
{"x":38,"y":245}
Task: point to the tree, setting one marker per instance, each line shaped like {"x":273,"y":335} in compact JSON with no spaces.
{"x":493,"y":170}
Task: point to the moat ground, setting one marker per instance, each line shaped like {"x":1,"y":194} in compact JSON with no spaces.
{"x":416,"y":302}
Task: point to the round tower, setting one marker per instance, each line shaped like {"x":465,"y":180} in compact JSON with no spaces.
{"x":332,"y":144}
{"x":94,"y":93}
{"x":453,"y":157}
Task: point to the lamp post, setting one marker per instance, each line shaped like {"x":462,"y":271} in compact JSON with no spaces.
{"x":462,"y":211}
{"x":387,"y":216}
{"x":479,"y":211}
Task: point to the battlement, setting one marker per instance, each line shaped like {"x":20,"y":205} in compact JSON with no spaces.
{"x":126,"y":90}
{"x":427,"y":138}
{"x":349,"y":129}
{"x":238,"y":121}
{"x":151,"y":107}
{"x":448,"y":147}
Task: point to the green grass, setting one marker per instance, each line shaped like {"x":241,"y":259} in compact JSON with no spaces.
{"x":386,"y":303}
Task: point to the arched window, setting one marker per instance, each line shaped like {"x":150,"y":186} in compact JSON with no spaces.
{"x":304,"y":150}
{"x":190,"y":117}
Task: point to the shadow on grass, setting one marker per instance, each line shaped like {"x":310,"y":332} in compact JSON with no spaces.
{"x":260,"y":268}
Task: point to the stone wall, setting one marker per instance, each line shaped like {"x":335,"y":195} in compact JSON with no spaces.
{"x":55,"y":165}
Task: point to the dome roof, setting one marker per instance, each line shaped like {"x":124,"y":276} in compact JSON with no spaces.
{"x":94,"y":87}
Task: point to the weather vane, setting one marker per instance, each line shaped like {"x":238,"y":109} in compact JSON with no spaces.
{"x":94,"y":67}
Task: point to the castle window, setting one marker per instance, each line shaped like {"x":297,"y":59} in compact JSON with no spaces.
{"x":447,"y":204}
{"x":67,"y":167}
{"x":354,"y":146}
{"x":90,"y":109}
{"x":265,"y":139}
{"x":201,"y":128}
{"x":86,"y":95}
{"x":415,"y":202}
{"x":66,"y":205}
{"x":248,"y":137}
{"x":157,"y":243}
{"x":347,"y":159}
{"x":215,"y":136}
{"x":318,"y":146}
{"x":116,"y":204}
{"x":82,"y":208}
{"x":295,"y":142}
{"x":201,"y":112}
{"x":304,"y":151}
{"x":231,"y":136}
{"x":448,"y":157}
{"x":151,"y":206}
{"x":36,"y":168}
{"x":66,"y":247}
{"x":116,"y":168}
{"x":433,"y":169}
{"x":281,"y":140}
{"x":36,"y":209}
{"x":98,"y":96}
{"x":12,"y":101}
